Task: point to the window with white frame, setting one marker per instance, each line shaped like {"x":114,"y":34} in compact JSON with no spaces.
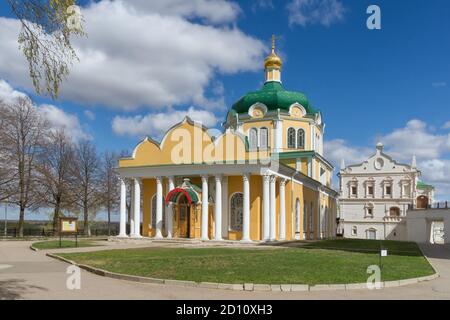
{"x":369,"y":210}
{"x":388,"y":188}
{"x":354,"y":231}
{"x":253,"y":139}
{"x":371,"y":234}
{"x":236,"y":211}
{"x":388,"y":191}
{"x":263,"y":138}
{"x":353,"y":188}
{"x":370,"y":188}
{"x":406,"y":189}
{"x":301,"y":139}
{"x":291,"y":138}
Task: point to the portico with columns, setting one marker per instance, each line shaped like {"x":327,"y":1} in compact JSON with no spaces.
{"x":264,"y":179}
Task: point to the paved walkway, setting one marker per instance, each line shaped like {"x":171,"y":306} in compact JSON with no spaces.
{"x":25,"y":274}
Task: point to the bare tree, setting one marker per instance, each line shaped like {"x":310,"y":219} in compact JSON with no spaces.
{"x":85,"y":183}
{"x":23,"y":141}
{"x":109,"y":184}
{"x":45,"y":39}
{"x":6,"y":173}
{"x":55,"y":174}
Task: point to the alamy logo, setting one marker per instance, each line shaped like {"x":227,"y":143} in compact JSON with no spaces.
{"x":374,"y":20}
{"x":374,"y":280}
{"x":74,"y":280}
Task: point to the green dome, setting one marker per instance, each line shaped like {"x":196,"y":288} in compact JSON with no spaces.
{"x":274,"y":96}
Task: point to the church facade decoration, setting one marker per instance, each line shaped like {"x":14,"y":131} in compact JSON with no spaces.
{"x":264,"y":179}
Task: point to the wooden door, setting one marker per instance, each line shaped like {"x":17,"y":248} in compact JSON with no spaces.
{"x":183,"y":221}
{"x":422,"y":202}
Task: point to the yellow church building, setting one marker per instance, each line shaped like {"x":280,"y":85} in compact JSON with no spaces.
{"x":264,"y":179}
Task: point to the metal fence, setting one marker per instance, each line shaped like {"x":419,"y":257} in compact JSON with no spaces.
{"x":435,"y":205}
{"x":43,"y":232}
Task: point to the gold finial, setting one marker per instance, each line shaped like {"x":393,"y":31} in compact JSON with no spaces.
{"x":273,"y":60}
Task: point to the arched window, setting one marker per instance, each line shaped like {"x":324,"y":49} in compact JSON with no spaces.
{"x":301,"y":139}
{"x":253,"y":139}
{"x":394,"y":212}
{"x":153,"y":222}
{"x":291,"y":138}
{"x":264,"y":138}
{"x":371,"y":234}
{"x":236,"y":211}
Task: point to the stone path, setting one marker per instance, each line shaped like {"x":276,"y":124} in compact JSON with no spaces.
{"x":25,"y":274}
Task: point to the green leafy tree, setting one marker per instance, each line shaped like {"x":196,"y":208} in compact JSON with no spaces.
{"x":45,"y":40}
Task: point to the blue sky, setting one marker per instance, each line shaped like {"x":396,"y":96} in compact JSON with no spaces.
{"x":391,"y":84}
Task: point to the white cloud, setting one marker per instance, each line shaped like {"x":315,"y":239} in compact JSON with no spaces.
{"x":59,"y":119}
{"x":156,"y":124}
{"x":439,"y":84}
{"x":146,"y":54}
{"x":216,"y":11}
{"x":8,"y":94}
{"x":416,"y":139}
{"x":89,"y":115}
{"x":339,"y":149}
{"x":56,"y":117}
{"x":309,"y":12}
{"x":446,"y":125}
{"x":262,"y":4}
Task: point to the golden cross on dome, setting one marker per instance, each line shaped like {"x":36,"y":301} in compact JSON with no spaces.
{"x":273,"y":43}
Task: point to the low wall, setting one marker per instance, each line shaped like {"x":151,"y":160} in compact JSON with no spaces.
{"x":418,"y":224}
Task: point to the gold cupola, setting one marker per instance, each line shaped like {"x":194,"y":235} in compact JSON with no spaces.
{"x":273,"y":64}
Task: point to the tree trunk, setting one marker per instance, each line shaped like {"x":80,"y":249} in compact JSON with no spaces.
{"x":109,"y":221}
{"x":87,"y":230}
{"x":21,"y":222}
{"x":56,"y":218}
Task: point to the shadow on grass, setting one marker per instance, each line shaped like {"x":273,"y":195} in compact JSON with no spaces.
{"x":15,"y":289}
{"x":397,"y":248}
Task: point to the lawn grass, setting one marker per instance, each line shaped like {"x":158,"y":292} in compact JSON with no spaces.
{"x":324,"y":262}
{"x":54,"y":244}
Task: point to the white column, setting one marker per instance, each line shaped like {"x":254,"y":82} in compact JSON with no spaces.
{"x":278,"y":136}
{"x":159,"y":209}
{"x":225,"y":223}
{"x":137,"y":208}
{"x":132,"y":210}
{"x":319,"y":217}
{"x":169,"y":214}
{"x":205,"y":208}
{"x":123,"y":208}
{"x":273,"y":212}
{"x":266,"y":208}
{"x":218,"y":209}
{"x":283,"y":209}
{"x":246,"y":209}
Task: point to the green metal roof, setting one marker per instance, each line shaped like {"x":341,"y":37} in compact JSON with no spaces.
{"x":274,"y":96}
{"x":423,"y":185}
